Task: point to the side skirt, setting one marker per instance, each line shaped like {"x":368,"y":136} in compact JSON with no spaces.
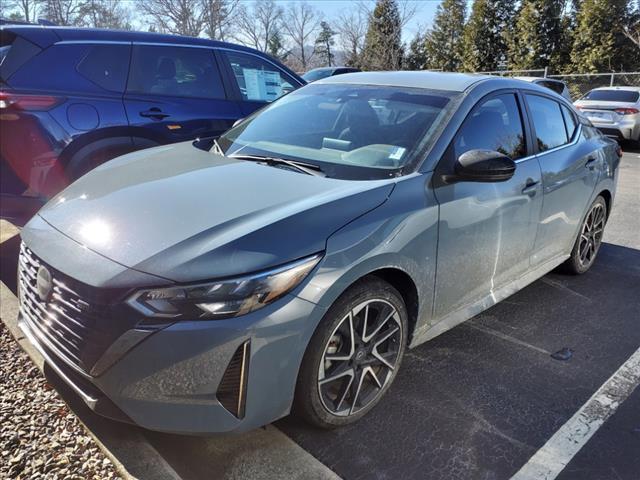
{"x":465,"y":313}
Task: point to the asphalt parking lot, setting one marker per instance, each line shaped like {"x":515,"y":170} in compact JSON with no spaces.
{"x":476,"y":402}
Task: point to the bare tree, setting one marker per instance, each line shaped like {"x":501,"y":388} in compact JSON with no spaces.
{"x":60,"y":12}
{"x":104,"y":14}
{"x":300,"y":24}
{"x":181,"y":17}
{"x":352,"y":29}
{"x":257,"y":25}
{"x":218,"y":16}
{"x":27,"y":9}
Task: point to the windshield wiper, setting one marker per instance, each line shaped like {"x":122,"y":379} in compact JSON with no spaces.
{"x":302,"y":167}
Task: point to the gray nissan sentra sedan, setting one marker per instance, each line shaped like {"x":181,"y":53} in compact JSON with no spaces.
{"x":288,"y":267}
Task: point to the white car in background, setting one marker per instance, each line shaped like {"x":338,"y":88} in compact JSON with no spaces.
{"x":557,"y":86}
{"x":615,"y":111}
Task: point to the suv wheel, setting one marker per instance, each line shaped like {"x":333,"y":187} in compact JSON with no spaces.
{"x":353,"y":356}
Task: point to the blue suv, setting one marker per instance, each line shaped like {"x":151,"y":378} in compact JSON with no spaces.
{"x":71,"y":99}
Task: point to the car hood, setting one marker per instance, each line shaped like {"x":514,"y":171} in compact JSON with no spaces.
{"x":185,"y":214}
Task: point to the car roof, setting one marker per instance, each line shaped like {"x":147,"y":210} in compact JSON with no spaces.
{"x":456,"y":82}
{"x":629,"y":88}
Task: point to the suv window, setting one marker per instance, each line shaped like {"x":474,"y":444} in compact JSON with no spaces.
{"x":175,"y":71}
{"x":495,"y":124}
{"x":569,"y":121}
{"x":106,"y":66}
{"x":257,"y":79}
{"x":548,"y":122}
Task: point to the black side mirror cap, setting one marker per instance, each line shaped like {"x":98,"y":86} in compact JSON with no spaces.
{"x":482,"y":166}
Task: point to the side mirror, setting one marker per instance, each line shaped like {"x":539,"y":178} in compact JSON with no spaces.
{"x":237,"y":122}
{"x":483,"y":166}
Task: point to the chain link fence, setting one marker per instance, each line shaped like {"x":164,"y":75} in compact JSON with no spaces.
{"x":579,"y":83}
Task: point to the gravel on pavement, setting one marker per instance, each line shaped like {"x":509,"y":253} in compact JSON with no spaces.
{"x":39,"y":437}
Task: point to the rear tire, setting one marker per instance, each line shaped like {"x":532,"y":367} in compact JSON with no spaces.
{"x":353,"y":356}
{"x":587,"y":245}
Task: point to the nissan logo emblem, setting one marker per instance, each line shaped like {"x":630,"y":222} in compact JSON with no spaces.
{"x":44,"y":284}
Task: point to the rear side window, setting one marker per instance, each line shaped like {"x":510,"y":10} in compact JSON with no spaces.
{"x":495,"y":124}
{"x":548,"y":122}
{"x":257,"y":79}
{"x":569,"y":121}
{"x":15,"y":51}
{"x":106,"y":66}
{"x":628,"y":96}
{"x":175,"y":71}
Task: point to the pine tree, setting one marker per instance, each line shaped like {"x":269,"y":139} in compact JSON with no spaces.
{"x":275,"y":47}
{"x":536,"y":41}
{"x":417,"y":57}
{"x":444,"y":44}
{"x":486,"y":34}
{"x":599,"y":43}
{"x":383,"y":46}
{"x":324,"y":42}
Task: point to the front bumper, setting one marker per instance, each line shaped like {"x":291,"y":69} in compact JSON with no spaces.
{"x":169,"y":381}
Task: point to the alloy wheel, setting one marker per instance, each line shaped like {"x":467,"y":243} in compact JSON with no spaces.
{"x":360,"y":357}
{"x":591,"y":235}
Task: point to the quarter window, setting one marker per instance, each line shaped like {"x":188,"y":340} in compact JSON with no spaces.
{"x":175,"y":71}
{"x":496,"y":124}
{"x":257,"y":79}
{"x":548,"y":122}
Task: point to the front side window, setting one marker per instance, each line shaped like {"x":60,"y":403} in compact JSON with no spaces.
{"x":350,"y":131}
{"x":548,"y":122}
{"x":257,"y":79}
{"x":175,"y":71}
{"x":496,"y":124}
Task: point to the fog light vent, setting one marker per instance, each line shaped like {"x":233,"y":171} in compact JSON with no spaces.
{"x":232,"y":391}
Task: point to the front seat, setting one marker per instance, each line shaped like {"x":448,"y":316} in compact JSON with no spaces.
{"x":165,"y":81}
{"x":362,"y":124}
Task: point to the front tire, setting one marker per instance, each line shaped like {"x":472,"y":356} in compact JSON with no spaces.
{"x":353,"y":356}
{"x":587,"y":245}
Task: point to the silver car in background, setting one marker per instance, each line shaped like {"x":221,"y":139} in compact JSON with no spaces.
{"x":557,"y":86}
{"x":615,"y":111}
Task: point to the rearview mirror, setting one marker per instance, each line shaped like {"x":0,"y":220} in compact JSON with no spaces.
{"x":483,"y":166}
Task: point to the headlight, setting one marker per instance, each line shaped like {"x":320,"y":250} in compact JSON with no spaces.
{"x":224,"y":298}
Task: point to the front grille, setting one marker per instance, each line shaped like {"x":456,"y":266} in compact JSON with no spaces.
{"x":232,"y":391}
{"x":67,"y":322}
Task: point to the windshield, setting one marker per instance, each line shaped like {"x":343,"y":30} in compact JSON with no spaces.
{"x":613,"y":95}
{"x":317,"y":74}
{"x":349,"y":131}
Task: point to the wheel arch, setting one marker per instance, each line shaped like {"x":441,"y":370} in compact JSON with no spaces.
{"x":608,"y":199}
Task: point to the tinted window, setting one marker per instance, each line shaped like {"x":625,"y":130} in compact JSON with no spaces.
{"x":257,"y":79}
{"x":495,"y":124}
{"x":106,"y":66}
{"x":14,"y":53}
{"x":569,"y":121}
{"x":613,"y":95}
{"x":175,"y":71}
{"x":548,"y":122}
{"x":555,"y":86}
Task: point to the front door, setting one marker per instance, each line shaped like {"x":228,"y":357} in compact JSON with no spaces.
{"x":487,"y":230}
{"x":569,"y":176}
{"x":176,"y":93}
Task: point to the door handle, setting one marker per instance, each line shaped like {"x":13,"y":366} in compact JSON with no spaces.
{"x":154,"y":113}
{"x":530,"y":188}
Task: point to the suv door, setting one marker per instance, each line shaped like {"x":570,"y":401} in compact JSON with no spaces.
{"x":177,"y":93}
{"x":569,"y":175}
{"x":487,"y":230}
{"x":256,"y":80}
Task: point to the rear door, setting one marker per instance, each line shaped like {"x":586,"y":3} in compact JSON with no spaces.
{"x":256,"y":80}
{"x":177,"y":94}
{"x":569,"y":167}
